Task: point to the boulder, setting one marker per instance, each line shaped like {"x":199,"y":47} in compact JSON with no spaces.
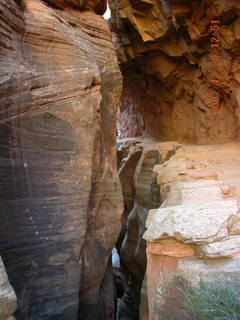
{"x":194,"y":223}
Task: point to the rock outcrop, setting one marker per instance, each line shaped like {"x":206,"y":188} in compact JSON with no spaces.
{"x":180,"y":65}
{"x":8,"y":300}
{"x":61,"y":199}
{"x":195,"y":234}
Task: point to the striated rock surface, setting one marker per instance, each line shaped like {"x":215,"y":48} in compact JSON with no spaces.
{"x":99,"y":6}
{"x":8,"y":300}
{"x":195,"y":234}
{"x":61,"y":199}
{"x":180,"y":64}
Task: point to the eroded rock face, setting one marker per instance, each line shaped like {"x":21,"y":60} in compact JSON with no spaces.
{"x":195,"y":234}
{"x":141,"y":192}
{"x":194,"y":223}
{"x":99,"y":6}
{"x":61,"y":199}
{"x":8,"y":300}
{"x":172,"y":74}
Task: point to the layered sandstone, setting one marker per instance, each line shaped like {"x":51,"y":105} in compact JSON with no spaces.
{"x":172,"y":74}
{"x":61,"y":199}
{"x":195,"y":234}
{"x":98,"y":6}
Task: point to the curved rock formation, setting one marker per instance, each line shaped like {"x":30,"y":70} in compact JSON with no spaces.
{"x":61,"y":199}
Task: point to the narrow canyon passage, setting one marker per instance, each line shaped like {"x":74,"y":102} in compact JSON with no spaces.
{"x":119,"y":135}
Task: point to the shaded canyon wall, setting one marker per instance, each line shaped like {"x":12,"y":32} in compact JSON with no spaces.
{"x":61,"y":198}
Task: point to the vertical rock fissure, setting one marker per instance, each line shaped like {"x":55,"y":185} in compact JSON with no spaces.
{"x":141,"y":193}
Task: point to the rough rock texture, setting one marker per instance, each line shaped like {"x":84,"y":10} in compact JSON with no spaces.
{"x":172,"y":74}
{"x":99,"y":6}
{"x":141,"y":192}
{"x":8,"y":300}
{"x":169,"y":273}
{"x":180,"y":66}
{"x":60,"y":194}
{"x":197,"y":221}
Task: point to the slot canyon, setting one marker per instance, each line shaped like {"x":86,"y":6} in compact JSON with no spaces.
{"x":119,"y":160}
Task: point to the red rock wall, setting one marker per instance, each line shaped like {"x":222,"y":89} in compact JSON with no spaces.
{"x":60,"y":194}
{"x":171,"y":76}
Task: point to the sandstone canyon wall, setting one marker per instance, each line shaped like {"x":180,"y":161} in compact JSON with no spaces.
{"x":180,"y":67}
{"x":172,"y":73}
{"x":60,"y":194}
